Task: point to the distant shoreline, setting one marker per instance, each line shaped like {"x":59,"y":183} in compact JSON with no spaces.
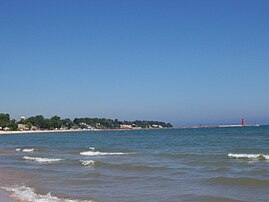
{"x":39,"y":131}
{"x":219,"y":126}
{"x":118,"y":129}
{"x":77,"y":130}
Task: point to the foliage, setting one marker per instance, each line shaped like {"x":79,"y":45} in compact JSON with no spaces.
{"x":113,"y":124}
{"x":6,"y":122}
{"x":56,"y":122}
{"x":67,"y":123}
{"x":39,"y":121}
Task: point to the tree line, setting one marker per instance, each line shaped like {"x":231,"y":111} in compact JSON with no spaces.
{"x":56,"y":122}
{"x":5,"y":122}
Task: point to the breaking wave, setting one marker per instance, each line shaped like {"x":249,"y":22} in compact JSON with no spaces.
{"x":249,"y":156}
{"x":92,"y":163}
{"x":26,"y":150}
{"x":24,"y":193}
{"x":87,"y":162}
{"x":41,"y":160}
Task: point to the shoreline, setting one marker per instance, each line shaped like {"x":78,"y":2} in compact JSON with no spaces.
{"x":218,"y":126}
{"x":125,"y":129}
{"x":77,"y":130}
{"x":40,"y":131}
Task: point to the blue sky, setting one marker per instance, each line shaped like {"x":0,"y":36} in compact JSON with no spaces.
{"x":187,"y":62}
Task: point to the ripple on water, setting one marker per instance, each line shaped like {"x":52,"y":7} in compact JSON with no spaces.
{"x":238,"y":181}
{"x":215,"y":199}
{"x":208,"y":163}
{"x":122,"y":166}
{"x":218,"y":170}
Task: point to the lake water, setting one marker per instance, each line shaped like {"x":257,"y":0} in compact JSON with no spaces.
{"x":221,"y":164}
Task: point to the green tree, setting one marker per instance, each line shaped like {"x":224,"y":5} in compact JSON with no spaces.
{"x":13,"y":125}
{"x":55,"y":122}
{"x":4,"y":120}
{"x":67,"y":123}
{"x":38,"y":121}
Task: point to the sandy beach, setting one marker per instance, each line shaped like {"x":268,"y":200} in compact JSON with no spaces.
{"x":77,"y":130}
{"x":41,"y":131}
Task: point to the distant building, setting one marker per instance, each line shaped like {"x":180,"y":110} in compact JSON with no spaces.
{"x":156,"y":126}
{"x":137,"y":128}
{"x":86,"y":126}
{"x":34,"y":128}
{"x":125,"y":126}
{"x":22,"y":127}
{"x":6,"y":128}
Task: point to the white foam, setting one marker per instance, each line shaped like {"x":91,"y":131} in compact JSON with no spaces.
{"x":24,"y":193}
{"x":26,"y":150}
{"x":249,"y":156}
{"x":92,"y":148}
{"x":87,"y":162}
{"x":41,"y":160}
{"x":97,"y":153}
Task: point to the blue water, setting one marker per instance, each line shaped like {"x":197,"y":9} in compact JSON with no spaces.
{"x":144,"y":165}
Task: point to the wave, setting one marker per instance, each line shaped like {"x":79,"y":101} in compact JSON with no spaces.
{"x":178,"y":155}
{"x":87,"y":162}
{"x":97,"y":153}
{"x":24,"y":193}
{"x":213,"y":163}
{"x":239,"y":181}
{"x":218,"y":170}
{"x":92,"y":148}
{"x":41,"y":160}
{"x":211,"y":198}
{"x":249,"y":156}
{"x":26,"y":150}
{"x":102,"y":164}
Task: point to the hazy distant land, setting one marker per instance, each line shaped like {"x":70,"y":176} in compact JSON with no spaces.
{"x":56,"y":124}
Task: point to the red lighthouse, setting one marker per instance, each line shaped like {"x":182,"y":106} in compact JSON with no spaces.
{"x":243,"y":122}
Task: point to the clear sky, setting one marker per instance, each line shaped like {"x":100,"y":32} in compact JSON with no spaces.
{"x":183,"y":61}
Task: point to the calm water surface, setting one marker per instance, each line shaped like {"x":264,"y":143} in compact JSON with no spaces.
{"x":149,"y":165}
